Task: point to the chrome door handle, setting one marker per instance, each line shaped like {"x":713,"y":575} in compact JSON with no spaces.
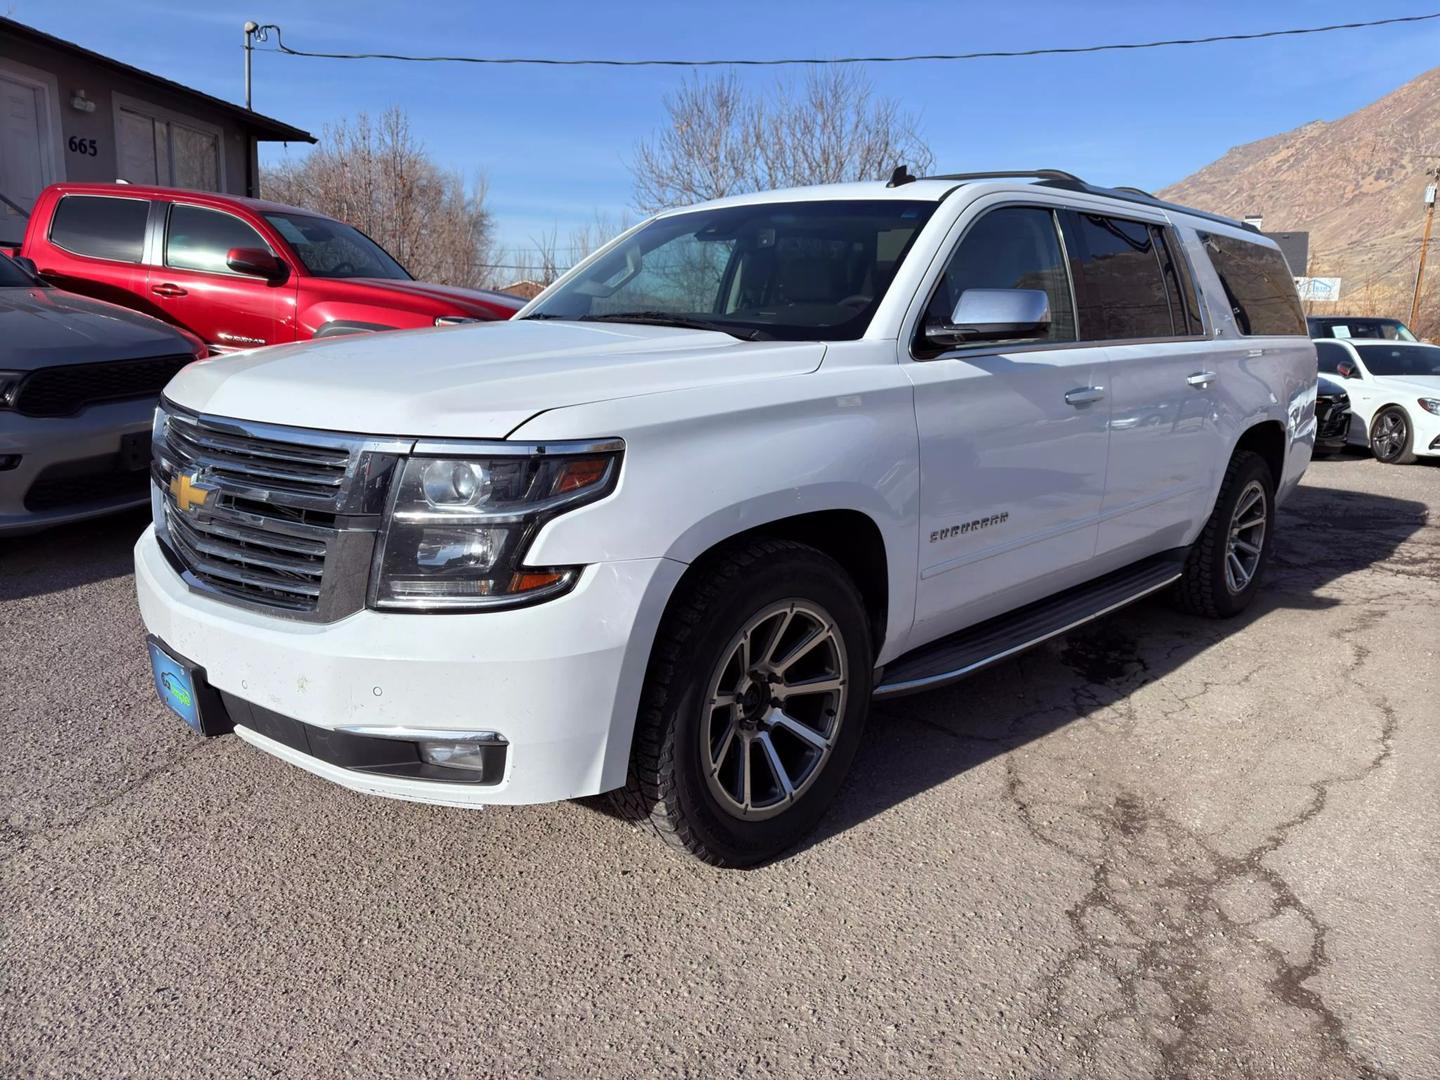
{"x":1201,"y":378}
{"x":1085,"y":395}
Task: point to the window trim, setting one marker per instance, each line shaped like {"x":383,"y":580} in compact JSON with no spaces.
{"x":163,"y":254}
{"x":989,"y":348}
{"x":144,"y":235}
{"x":123,"y":102}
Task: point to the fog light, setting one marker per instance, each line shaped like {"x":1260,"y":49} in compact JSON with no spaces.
{"x":468,"y":754}
{"x":9,"y":461}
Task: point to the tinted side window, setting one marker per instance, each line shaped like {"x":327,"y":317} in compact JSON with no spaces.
{"x":1258,"y":286}
{"x":1015,"y":247}
{"x":101,"y":227}
{"x":200,"y":239}
{"x":1119,"y":284}
{"x":1330,"y":356}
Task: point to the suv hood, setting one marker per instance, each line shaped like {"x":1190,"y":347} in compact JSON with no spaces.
{"x":44,"y":327}
{"x":472,"y":381}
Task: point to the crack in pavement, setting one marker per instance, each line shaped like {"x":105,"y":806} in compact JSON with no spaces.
{"x":1153,"y":932}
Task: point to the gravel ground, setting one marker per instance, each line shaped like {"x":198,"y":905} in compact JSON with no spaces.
{"x":1157,"y":847}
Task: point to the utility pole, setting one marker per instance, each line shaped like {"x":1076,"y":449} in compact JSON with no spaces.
{"x":1430,"y":193}
{"x":250,"y":28}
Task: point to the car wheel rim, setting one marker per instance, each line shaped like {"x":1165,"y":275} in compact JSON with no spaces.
{"x":773,"y":709}
{"x":1246,"y":541}
{"x":1389,"y":436}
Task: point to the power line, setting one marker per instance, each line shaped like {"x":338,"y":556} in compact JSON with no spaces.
{"x":281,"y":47}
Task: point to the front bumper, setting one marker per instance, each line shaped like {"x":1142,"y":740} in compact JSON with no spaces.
{"x":78,"y":455}
{"x":560,"y":681}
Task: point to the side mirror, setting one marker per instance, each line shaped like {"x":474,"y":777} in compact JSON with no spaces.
{"x":26,"y":264}
{"x":1346,"y":370}
{"x":993,"y":315}
{"x":256,"y":262}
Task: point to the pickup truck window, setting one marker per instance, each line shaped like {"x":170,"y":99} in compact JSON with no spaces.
{"x":332,"y":249}
{"x":101,"y":227}
{"x":199,"y":239}
{"x":1257,"y":285}
{"x":1014,"y":247}
{"x":1120,"y":284}
{"x":795,"y":271}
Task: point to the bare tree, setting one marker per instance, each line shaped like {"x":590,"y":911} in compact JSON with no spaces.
{"x":722,"y":139}
{"x":376,"y":176}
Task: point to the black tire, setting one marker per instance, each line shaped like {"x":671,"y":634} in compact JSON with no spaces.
{"x":1205,"y":587}
{"x":668,"y":786}
{"x":1392,"y":438}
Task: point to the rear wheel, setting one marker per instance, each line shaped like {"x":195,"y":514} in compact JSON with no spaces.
{"x":1227,"y":560}
{"x":754,"y":704}
{"x":1390,"y":437}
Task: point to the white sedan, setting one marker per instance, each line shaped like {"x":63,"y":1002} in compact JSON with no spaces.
{"x":1394,"y":395}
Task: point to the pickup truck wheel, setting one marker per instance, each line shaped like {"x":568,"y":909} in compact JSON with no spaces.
{"x":1391,"y":438}
{"x":1227,"y":560}
{"x":754,"y":704}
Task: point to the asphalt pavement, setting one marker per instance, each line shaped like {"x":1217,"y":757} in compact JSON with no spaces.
{"x":1159,"y":846}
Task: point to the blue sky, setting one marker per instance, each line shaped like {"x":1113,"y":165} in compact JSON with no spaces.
{"x":554,"y":142}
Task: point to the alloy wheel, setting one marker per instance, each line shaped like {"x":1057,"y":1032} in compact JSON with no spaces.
{"x":773,"y":709}
{"x":1246,"y":540}
{"x":1389,"y":438}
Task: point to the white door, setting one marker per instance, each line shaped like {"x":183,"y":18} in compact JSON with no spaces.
{"x":23,"y":153}
{"x":1013,"y":437}
{"x":1165,"y":380}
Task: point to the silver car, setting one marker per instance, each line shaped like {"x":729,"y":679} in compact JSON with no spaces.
{"x":79,"y":380}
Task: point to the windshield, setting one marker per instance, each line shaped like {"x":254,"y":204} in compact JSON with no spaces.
{"x":1402,"y":361}
{"x":12,"y":277}
{"x":796,"y":271}
{"x":1381,"y":329}
{"x":332,"y":249}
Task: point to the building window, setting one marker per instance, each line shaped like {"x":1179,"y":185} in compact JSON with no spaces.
{"x":156,"y":149}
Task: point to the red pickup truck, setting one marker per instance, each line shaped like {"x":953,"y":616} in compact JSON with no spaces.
{"x":236,"y":272}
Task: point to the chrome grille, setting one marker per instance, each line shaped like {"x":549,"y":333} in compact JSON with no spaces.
{"x":255,"y":564}
{"x":256,"y":462}
{"x":281,"y":519}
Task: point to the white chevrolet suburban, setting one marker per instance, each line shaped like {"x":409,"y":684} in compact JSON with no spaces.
{"x":749,"y":466}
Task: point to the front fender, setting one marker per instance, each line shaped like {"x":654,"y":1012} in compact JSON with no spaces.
{"x":703,"y":466}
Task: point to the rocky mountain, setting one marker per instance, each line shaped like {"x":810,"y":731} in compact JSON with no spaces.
{"x":1356,"y":184}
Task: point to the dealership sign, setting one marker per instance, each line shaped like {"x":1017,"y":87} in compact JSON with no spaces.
{"x":1318,"y":288}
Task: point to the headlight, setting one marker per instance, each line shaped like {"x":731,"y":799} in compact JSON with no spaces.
{"x":455,"y":320}
{"x":458,"y":528}
{"x":10,"y":386}
{"x":1430,"y":405}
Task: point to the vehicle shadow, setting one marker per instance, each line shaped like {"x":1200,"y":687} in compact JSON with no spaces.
{"x":69,"y":556}
{"x":916,"y":743}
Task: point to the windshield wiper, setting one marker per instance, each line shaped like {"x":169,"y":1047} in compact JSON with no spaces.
{"x":662,"y":318}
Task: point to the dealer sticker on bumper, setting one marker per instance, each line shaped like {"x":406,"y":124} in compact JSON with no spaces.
{"x":175,"y":686}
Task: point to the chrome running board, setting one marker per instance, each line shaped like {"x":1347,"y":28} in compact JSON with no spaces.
{"x":953,"y":658}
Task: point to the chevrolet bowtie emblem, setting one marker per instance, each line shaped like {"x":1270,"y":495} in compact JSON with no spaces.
{"x":188,"y":494}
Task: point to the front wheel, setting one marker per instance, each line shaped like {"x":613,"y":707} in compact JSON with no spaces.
{"x":754,"y":704}
{"x":1390,"y":437}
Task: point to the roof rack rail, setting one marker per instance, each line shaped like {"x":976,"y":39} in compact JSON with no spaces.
{"x":1002,"y":174}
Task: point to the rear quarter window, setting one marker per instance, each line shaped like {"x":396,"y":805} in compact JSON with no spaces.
{"x":101,"y":227}
{"x":1258,"y":287}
